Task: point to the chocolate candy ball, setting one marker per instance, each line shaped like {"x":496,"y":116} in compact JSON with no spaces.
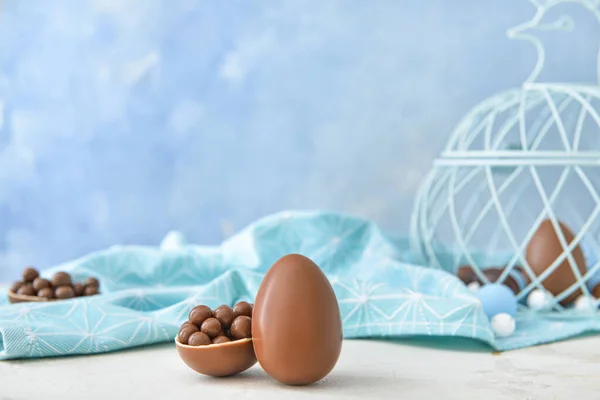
{"x":64,"y":292}
{"x":185,"y":332}
{"x":40,"y":283}
{"x":186,"y":323}
{"x":92,"y":282}
{"x":220,"y":339}
{"x":90,"y":291}
{"x":199,"y":339}
{"x":16,"y":286}
{"x":27,"y":290}
{"x":61,"y":279}
{"x":225,"y":316}
{"x":78,"y":288}
{"x":212,"y":327}
{"x":241,"y":328}
{"x":29,"y":274}
{"x":47,"y":293}
{"x":242,"y":308}
{"x":199,"y":314}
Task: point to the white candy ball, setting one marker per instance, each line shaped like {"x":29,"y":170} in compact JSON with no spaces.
{"x":583,"y":303}
{"x":503,"y":325}
{"x":173,"y":241}
{"x":473,"y":286}
{"x":538,"y":299}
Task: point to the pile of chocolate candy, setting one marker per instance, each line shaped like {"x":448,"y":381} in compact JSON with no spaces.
{"x":60,"y":287}
{"x":221,"y":325}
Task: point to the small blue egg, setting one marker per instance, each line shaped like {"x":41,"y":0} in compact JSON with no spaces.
{"x":497,"y":298}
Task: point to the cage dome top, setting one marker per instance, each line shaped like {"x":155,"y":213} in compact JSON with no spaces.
{"x":543,"y":119}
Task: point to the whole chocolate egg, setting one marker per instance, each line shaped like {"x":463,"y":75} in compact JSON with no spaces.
{"x":544,"y":248}
{"x":296,"y":323}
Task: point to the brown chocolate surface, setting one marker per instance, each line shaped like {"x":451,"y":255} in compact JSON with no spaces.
{"x":221,"y":355}
{"x":241,"y":328}
{"x":41,"y":283}
{"x":64,"y":292}
{"x":212,"y":327}
{"x":90,"y":290}
{"x":92,"y":282}
{"x":61,"y":279}
{"x":198,"y":314}
{"x":296,"y":324}
{"x":221,"y":339}
{"x":78,"y":288}
{"x":544,"y":248}
{"x":467,"y":275}
{"x":225,"y":315}
{"x":47,"y":293}
{"x":186,"y":331}
{"x":242,"y":308}
{"x":596,"y":291}
{"x":199,"y":339}
{"x":29,"y":274}
{"x":34,"y":288}
{"x":186,"y":323}
{"x":16,"y":286}
{"x":26,"y":290}
{"x":223,"y":359}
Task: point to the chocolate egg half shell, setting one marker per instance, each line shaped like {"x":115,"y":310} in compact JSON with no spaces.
{"x":223,"y":359}
{"x":296,"y":323}
{"x":544,"y":248}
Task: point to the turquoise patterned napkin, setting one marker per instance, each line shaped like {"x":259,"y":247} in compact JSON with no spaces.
{"x":148,"y":291}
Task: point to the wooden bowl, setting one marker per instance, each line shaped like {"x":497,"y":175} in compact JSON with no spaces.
{"x":224,"y":359}
{"x":15,"y":298}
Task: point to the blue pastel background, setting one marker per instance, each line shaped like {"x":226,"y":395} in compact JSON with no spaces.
{"x":121,"y":120}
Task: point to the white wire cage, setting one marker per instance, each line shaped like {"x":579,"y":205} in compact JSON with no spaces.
{"x":511,"y":164}
{"x":519,"y":158}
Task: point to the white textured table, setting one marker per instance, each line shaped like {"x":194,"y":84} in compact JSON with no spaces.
{"x":409,"y":369}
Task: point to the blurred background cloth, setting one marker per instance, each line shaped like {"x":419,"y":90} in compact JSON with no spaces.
{"x":148,"y":292}
{"x":121,"y":120}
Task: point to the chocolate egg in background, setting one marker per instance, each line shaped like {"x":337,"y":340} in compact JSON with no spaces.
{"x":544,"y":248}
{"x":296,"y":323}
{"x":467,"y":275}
